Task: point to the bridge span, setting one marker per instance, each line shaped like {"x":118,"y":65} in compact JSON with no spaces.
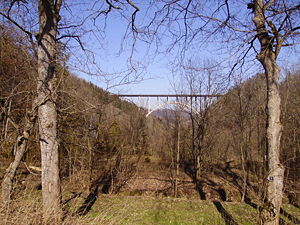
{"x":190,"y":101}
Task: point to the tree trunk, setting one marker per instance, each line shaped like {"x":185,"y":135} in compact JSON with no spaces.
{"x":267,"y":57}
{"x":177,"y":159}
{"x":198,"y":166}
{"x":19,"y":150}
{"x":274,"y":129}
{"x":47,"y":114}
{"x":241,"y":118}
{"x":7,"y":119}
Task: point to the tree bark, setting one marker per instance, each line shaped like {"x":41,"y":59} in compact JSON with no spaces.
{"x":47,"y":114}
{"x":267,"y":57}
{"x":274,"y":130}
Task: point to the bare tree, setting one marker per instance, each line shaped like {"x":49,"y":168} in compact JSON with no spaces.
{"x":16,"y":86}
{"x":48,"y":14}
{"x":19,"y":150}
{"x":274,"y":25}
{"x":45,"y":46}
{"x":198,"y":79}
{"x":270,"y":46}
{"x":47,"y":113}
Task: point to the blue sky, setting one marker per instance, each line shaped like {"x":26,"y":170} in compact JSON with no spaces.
{"x":110,"y":53}
{"x":105,"y":59}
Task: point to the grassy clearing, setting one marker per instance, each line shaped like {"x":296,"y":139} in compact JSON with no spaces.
{"x":144,"y":211}
{"x":141,"y":210}
{"x":155,"y":211}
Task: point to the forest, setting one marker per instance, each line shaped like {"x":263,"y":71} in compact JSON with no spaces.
{"x":74,"y":153}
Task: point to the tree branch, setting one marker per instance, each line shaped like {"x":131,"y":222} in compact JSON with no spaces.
{"x":17,"y":25}
{"x":133,"y":27}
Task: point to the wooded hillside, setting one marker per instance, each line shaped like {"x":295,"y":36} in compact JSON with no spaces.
{"x":107,"y":145}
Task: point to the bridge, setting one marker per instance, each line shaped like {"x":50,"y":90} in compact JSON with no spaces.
{"x":190,"y":101}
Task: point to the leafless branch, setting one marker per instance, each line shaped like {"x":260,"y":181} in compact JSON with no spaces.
{"x":133,"y":15}
{"x":17,"y":25}
{"x":105,"y":12}
{"x":242,"y":59}
{"x":75,"y":37}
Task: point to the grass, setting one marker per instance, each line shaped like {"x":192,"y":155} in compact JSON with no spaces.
{"x":141,"y":210}
{"x":145,"y":210}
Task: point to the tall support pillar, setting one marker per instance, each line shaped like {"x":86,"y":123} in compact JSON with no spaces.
{"x":139,"y":102}
{"x":148,"y":101}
